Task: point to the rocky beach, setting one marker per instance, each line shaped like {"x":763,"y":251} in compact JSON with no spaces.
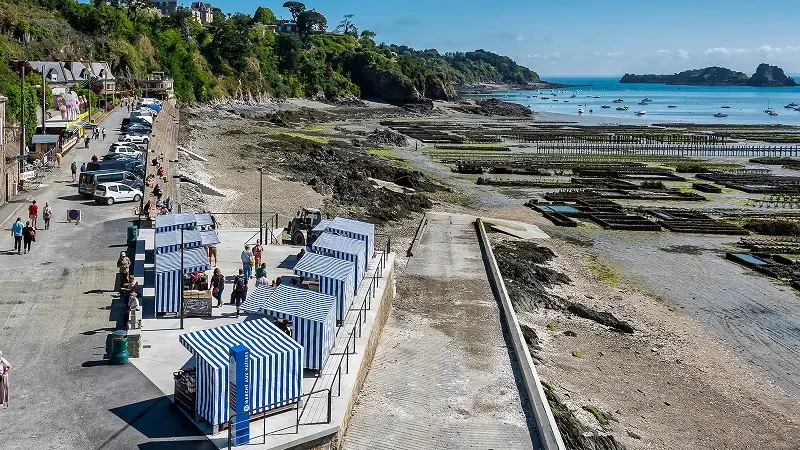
{"x":630,"y":365}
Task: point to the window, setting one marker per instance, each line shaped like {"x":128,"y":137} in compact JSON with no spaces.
{"x":112,"y":188}
{"x":124,"y":189}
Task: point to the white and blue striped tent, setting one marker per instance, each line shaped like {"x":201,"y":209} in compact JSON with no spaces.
{"x":209,"y":237}
{"x":321,"y":227}
{"x":336,"y":277}
{"x":345,"y":248}
{"x":204,"y":220}
{"x":276,"y":367}
{"x":169,"y":279}
{"x":169,"y":222}
{"x":313,"y":317}
{"x":170,"y":241}
{"x":356,"y":230}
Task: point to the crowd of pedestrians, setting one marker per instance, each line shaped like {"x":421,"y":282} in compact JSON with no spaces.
{"x":24,"y":233}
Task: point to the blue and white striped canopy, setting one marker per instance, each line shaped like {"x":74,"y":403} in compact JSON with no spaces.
{"x":194,"y":260}
{"x":170,"y":241}
{"x":276,"y":367}
{"x":342,"y":247}
{"x":204,"y":220}
{"x":209,"y":237}
{"x":169,"y":279}
{"x":321,"y":226}
{"x":169,"y":222}
{"x":336,"y":277}
{"x":312,"y":313}
{"x":357,"y":230}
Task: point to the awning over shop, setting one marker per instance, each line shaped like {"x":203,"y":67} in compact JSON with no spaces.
{"x":169,"y":279}
{"x":345,"y":248}
{"x":209,"y":237}
{"x":44,"y":139}
{"x":276,"y":374}
{"x":312,"y":313}
{"x":170,"y":241}
{"x":169,"y":222}
{"x":336,"y":277}
{"x":204,"y":220}
{"x":356,"y":230}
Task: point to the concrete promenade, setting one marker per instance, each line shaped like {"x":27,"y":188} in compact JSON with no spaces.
{"x":442,"y":376}
{"x":56,"y":312}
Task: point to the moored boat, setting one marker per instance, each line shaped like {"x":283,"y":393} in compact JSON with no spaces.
{"x":719,"y":114}
{"x":672,"y":106}
{"x":641,"y":113}
{"x":605,"y":106}
{"x":619,"y":100}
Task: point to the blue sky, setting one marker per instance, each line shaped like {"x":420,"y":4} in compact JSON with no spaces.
{"x":587,"y":37}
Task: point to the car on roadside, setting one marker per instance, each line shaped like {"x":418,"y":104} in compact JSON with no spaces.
{"x":88,"y":181}
{"x":110,"y":193}
{"x":126,"y":150}
{"x":136,"y":129}
{"x":135,"y":138}
{"x":137,"y":147}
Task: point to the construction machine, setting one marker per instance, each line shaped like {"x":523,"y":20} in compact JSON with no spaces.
{"x":299,"y":230}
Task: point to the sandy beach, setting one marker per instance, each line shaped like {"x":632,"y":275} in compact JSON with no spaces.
{"x":698,"y":370}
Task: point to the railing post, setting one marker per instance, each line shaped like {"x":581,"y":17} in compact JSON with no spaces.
{"x":297,"y":421}
{"x":329,"y":406}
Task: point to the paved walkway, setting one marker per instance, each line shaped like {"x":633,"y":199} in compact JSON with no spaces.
{"x":55,"y":322}
{"x":442,"y":376}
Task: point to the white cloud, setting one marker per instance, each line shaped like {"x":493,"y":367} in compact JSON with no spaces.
{"x":555,"y":56}
{"x":608,"y":55}
{"x":680,"y":54}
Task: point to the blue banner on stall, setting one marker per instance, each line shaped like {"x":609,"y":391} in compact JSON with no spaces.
{"x":239,"y":387}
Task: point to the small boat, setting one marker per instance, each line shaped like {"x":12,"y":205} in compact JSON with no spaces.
{"x":619,"y":100}
{"x":647,"y":99}
{"x":797,"y":108}
{"x":771,"y":112}
{"x":671,"y":106}
{"x":555,"y":99}
{"x":725,"y":107}
{"x":596,"y":96}
{"x":605,"y":106}
{"x":641,"y":113}
{"x":622,"y":108}
{"x":566,"y":101}
{"x":788,"y":106}
{"x":545,"y":98}
{"x":572,"y":96}
{"x":580,"y":110}
{"x":794,"y":105}
{"x":644,"y":102}
{"x":591,"y":110}
{"x":719,"y":114}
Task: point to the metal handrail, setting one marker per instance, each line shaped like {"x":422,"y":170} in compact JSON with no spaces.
{"x":344,"y":357}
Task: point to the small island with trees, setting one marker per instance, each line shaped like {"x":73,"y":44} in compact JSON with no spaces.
{"x":765,"y":76}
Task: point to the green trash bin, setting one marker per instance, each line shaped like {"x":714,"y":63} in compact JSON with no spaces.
{"x":133,"y":234}
{"x":119,"y":347}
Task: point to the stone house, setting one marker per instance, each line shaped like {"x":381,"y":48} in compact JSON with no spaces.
{"x":202,"y":12}
{"x":9,"y":149}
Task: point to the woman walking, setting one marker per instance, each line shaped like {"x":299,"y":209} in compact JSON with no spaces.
{"x":47,"y":214}
{"x":217,"y":285}
{"x":5,"y":368}
{"x":74,"y":169}
{"x":28,"y":236}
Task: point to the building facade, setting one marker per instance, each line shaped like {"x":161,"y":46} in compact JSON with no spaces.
{"x":157,"y":85}
{"x":201,"y":12}
{"x":64,"y":76}
{"x":165,"y":6}
{"x":9,"y":149}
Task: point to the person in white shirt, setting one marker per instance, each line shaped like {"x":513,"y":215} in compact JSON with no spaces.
{"x":5,"y":369}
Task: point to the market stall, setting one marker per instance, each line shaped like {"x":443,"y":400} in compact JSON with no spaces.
{"x":356,"y":230}
{"x":276,"y":368}
{"x":209,"y":237}
{"x":170,"y":241}
{"x":312,"y":315}
{"x":345,"y":248}
{"x":205,"y":221}
{"x":336,"y":277}
{"x":169,"y":276}
{"x":169,"y":222}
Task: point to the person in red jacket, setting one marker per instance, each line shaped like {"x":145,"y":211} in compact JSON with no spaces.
{"x":33,"y":213}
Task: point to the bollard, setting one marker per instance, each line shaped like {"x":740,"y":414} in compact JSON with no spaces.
{"x":133,"y":234}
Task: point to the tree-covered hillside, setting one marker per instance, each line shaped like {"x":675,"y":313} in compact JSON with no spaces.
{"x":239,"y":54}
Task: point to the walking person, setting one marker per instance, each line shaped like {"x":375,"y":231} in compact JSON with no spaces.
{"x":104,"y":133}
{"x":28,"y":236}
{"x":258,"y":251}
{"x":239,"y":290}
{"x":74,"y":169}
{"x":16,"y":232}
{"x":247,"y":263}
{"x":47,"y":214}
{"x":124,"y":266}
{"x":33,"y":212}
{"x":217,"y":285}
{"x":5,"y":369}
{"x":212,"y":253}
{"x":133,"y":306}
{"x":83,"y":167}
{"x":58,"y":159}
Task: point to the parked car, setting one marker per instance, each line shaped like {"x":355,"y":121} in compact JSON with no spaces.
{"x":88,"y":181}
{"x":136,"y":128}
{"x":134,"y":166}
{"x":137,"y":147}
{"x":110,"y":193}
{"x":135,"y":138}
{"x":126,"y":150}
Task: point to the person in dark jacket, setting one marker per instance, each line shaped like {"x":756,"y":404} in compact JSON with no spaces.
{"x":28,"y":236}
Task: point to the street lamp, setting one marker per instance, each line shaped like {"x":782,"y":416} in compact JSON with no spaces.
{"x":183,"y":300}
{"x":261,"y":205}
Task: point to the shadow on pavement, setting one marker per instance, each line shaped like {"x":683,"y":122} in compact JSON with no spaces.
{"x":289,"y":262}
{"x":196,"y":444}
{"x":102,"y":362}
{"x":158,"y":418}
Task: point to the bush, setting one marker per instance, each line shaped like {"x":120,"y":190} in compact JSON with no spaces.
{"x":774,"y":227}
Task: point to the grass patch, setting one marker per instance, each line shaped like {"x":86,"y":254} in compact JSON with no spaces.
{"x":318,"y":127}
{"x":551,"y":326}
{"x":317,"y":139}
{"x":577,"y":354}
{"x":602,"y":271}
{"x":602,"y":418}
{"x":389,"y":154}
{"x":546,"y":385}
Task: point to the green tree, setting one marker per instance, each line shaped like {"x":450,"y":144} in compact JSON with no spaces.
{"x":368,"y":34}
{"x":346,"y":25}
{"x":295,"y":9}
{"x":309,"y":22}
{"x":264,"y":16}
{"x":287,"y":51}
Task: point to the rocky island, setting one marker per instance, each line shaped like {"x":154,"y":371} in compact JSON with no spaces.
{"x":765,"y":76}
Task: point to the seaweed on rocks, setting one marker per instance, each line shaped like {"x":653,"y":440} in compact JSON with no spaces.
{"x":603,"y":318}
{"x":577,"y":436}
{"x":532,"y":341}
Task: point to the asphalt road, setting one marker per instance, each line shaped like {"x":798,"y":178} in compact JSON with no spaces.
{"x":57,"y":311}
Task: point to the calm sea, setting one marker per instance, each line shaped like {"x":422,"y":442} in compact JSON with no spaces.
{"x":695,"y":104}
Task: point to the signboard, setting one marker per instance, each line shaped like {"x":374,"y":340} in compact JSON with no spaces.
{"x":239,"y":394}
{"x":29,"y":175}
{"x":74,"y":214}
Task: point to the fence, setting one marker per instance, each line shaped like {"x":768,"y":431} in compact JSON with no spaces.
{"x":252,"y":220}
{"x":354,"y":333}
